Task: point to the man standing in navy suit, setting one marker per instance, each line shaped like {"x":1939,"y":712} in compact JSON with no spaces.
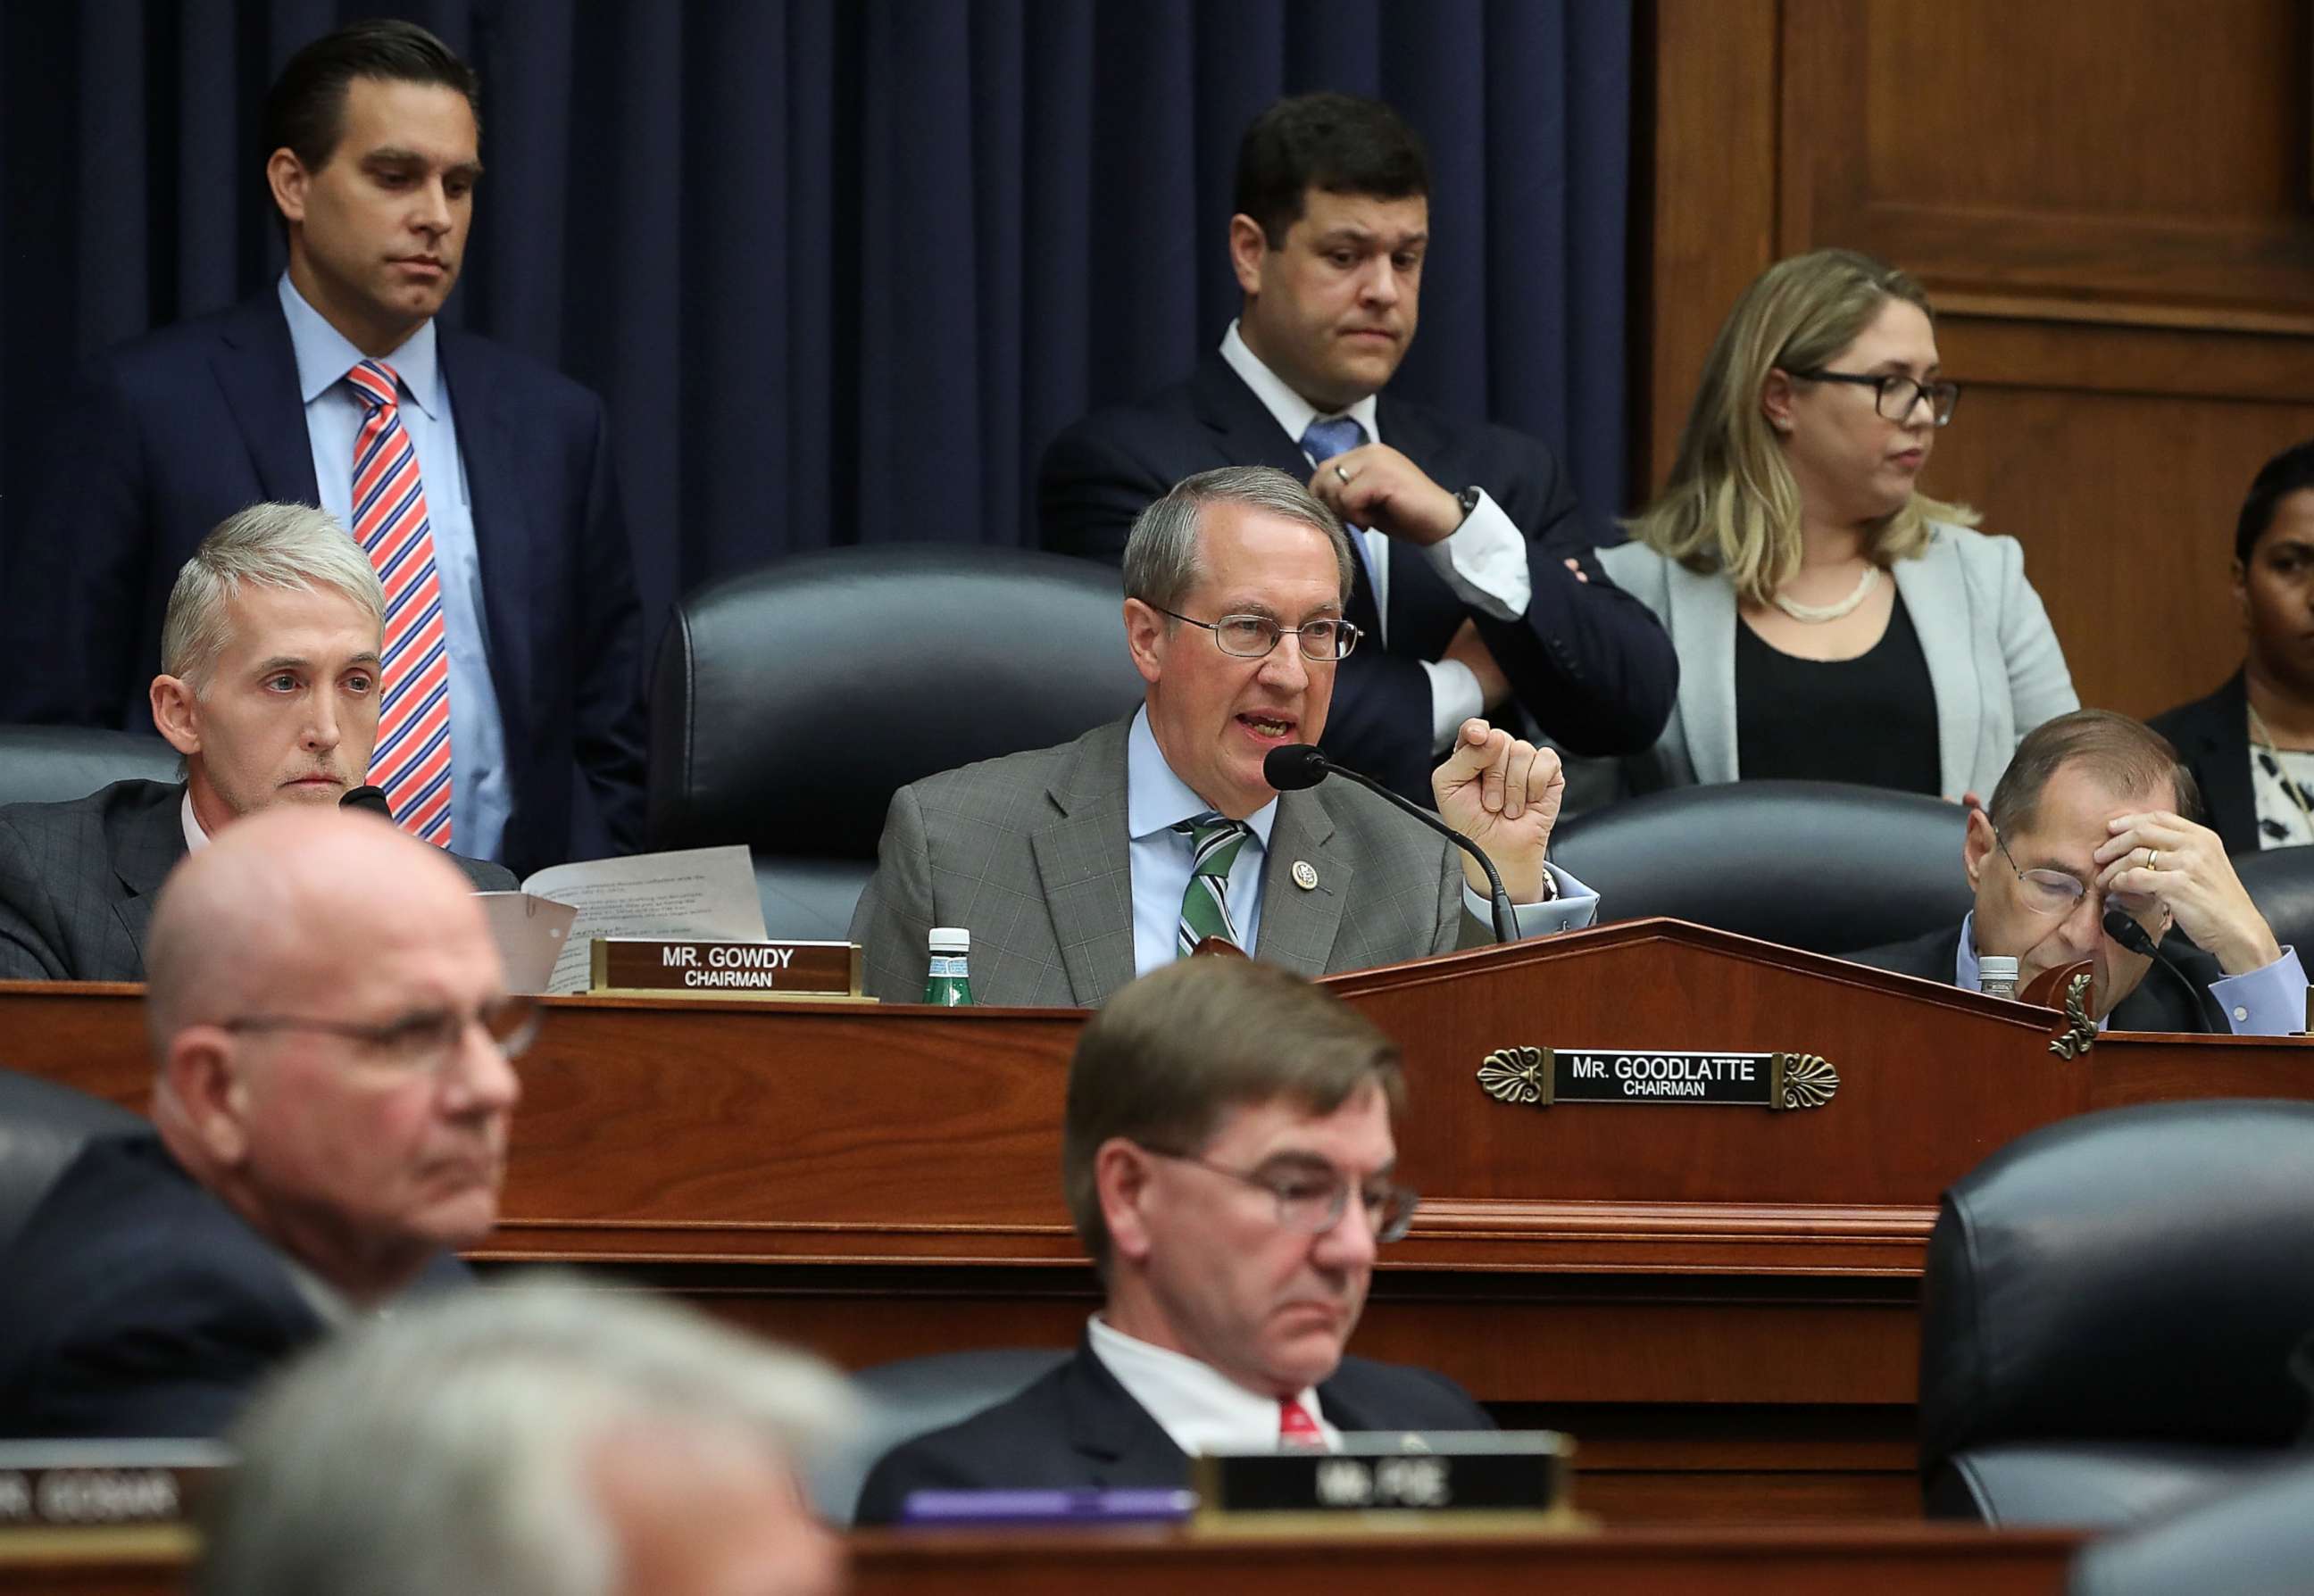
{"x":1476,"y":580}
{"x":480,"y":482}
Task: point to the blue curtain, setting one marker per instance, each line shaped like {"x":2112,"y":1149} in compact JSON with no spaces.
{"x":841,"y":267}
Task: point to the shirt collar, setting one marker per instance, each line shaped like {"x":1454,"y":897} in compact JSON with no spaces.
{"x":1155,"y":799}
{"x":1195,"y":1404}
{"x":1292,"y":412}
{"x":196,"y":838}
{"x":324,"y":355}
{"x":1966,"y":974}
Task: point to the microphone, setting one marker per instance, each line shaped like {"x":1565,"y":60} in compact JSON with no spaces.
{"x":372,"y":799}
{"x":1298,"y":765}
{"x":2132,"y":936}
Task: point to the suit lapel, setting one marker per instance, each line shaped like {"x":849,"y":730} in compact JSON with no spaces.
{"x":1934,"y":594}
{"x":148,"y":847}
{"x":1702,"y":619}
{"x":1299,"y":924}
{"x":501,"y":531}
{"x":1084,"y":867}
{"x":2220,"y":755}
{"x":1121,"y":1443}
{"x":257,"y":369}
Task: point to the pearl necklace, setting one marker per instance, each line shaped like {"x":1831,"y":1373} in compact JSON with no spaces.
{"x":1818,"y":614}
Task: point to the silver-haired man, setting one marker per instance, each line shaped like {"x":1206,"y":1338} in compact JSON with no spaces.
{"x":269,"y":687}
{"x":539,"y":1441}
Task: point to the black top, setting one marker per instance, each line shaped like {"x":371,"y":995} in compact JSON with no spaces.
{"x":1872,"y":720}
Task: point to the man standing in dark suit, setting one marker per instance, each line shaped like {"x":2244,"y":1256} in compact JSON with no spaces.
{"x":480,"y":482}
{"x":1476,"y":580}
{"x":270,"y":691}
{"x":331,"y":1031}
{"x":1228,"y":1160}
{"x":2093,"y":815}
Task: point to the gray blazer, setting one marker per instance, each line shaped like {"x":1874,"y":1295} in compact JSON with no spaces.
{"x":1029,"y":853}
{"x":77,"y":880}
{"x":1992,"y":658}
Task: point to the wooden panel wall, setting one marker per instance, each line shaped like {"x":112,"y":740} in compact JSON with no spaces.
{"x":2109,"y":204}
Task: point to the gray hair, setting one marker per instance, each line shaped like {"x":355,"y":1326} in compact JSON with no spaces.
{"x":290,"y":546}
{"x":449,"y":1447}
{"x":1161,"y":553}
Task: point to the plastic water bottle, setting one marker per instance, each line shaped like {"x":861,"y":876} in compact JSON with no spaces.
{"x":948,"y":982}
{"x":1996,"y":976}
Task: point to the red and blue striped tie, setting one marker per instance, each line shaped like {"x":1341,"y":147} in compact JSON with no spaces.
{"x":412,"y":758}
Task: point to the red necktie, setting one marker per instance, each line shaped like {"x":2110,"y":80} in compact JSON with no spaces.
{"x":412,"y":759}
{"x":1296,"y":1430}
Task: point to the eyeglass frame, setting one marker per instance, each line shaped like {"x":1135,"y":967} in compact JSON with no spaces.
{"x":1881,"y":386}
{"x":1336,"y":1211}
{"x":2082,"y":888}
{"x":1348,"y":633}
{"x":381,"y":1035}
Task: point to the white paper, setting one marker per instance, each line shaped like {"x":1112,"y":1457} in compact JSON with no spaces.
{"x":707,"y":894}
{"x":531,"y":932}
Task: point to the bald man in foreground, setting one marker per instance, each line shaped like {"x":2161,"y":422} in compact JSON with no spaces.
{"x":331,"y":1037}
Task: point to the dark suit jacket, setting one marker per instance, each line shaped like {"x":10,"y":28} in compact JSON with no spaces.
{"x":167,"y":436}
{"x":139,"y":1305}
{"x":2158,"y":1003}
{"x":1589,"y":662}
{"x":2212,"y":736}
{"x":1078,"y":1427}
{"x":77,"y":880}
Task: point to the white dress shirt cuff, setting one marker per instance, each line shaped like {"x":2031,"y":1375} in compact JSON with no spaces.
{"x":1484,"y":561}
{"x":1575,"y":907}
{"x":1455,"y":698}
{"x":2270,"y":1001}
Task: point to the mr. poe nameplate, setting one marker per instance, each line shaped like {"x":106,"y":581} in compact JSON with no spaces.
{"x":1541,"y":1077}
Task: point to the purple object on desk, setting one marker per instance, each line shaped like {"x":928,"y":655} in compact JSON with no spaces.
{"x":1086,"y":1506}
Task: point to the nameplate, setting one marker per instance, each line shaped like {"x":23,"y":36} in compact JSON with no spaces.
{"x":103,"y":1485}
{"x":650,"y":966}
{"x":1540,"y":1077}
{"x":1479,"y":1472}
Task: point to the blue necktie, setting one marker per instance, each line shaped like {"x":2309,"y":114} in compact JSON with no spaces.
{"x":1321,"y":440}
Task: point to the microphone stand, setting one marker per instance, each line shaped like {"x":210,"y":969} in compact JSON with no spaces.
{"x":2134,"y":936}
{"x":1499,"y":908}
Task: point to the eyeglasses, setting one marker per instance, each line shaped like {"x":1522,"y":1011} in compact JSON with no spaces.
{"x":1252,"y":637}
{"x":1312,"y":1199}
{"x":2046,"y":892}
{"x":1895,"y":395}
{"x":419,"y":1041}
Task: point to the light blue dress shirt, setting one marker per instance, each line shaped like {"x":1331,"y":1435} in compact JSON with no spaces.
{"x":480,"y":801}
{"x":1156,"y":800}
{"x":2270,"y":1001}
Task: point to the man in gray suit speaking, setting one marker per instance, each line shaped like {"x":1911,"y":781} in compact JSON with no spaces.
{"x":1077,"y":868}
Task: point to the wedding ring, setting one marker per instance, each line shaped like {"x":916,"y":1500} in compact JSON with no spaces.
{"x":2150,"y":857}
{"x":1341,"y":473}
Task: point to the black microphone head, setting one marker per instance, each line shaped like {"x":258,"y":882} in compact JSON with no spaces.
{"x":2126,"y":931}
{"x":372,"y":799}
{"x":1294,"y":767}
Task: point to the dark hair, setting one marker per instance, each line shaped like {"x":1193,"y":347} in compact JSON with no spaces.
{"x":1336,"y":142}
{"x":306,"y":110}
{"x":2288,"y":472}
{"x":2124,"y":755}
{"x":1174,"y":1049}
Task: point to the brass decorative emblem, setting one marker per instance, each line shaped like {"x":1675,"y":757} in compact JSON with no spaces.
{"x":2080,"y":1033}
{"x":1520,"y":1075}
{"x":1804,"y":1080}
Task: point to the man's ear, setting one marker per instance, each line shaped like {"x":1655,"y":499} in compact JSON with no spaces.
{"x":1120,"y":1180}
{"x":1776,"y":401}
{"x":208,"y":1091}
{"x":1144,"y":638}
{"x":1247,"y":246}
{"x":177,"y":713}
{"x":1977,"y":843}
{"x":285,"y":176}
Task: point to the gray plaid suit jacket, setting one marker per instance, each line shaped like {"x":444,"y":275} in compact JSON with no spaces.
{"x":1029,"y":852}
{"x":77,"y":880}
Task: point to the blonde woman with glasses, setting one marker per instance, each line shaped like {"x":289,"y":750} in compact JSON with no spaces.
{"x":1833,"y":622}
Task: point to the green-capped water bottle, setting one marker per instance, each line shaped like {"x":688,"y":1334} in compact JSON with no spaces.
{"x":948,"y":982}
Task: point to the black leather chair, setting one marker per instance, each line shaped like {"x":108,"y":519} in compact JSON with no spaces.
{"x":50,"y":765}
{"x":1818,"y":865}
{"x":43,"y":1126}
{"x":914,"y":1397}
{"x":790,"y":703}
{"x":2280,"y":883}
{"x":2257,"y":1541}
{"x":2110,"y":1313}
